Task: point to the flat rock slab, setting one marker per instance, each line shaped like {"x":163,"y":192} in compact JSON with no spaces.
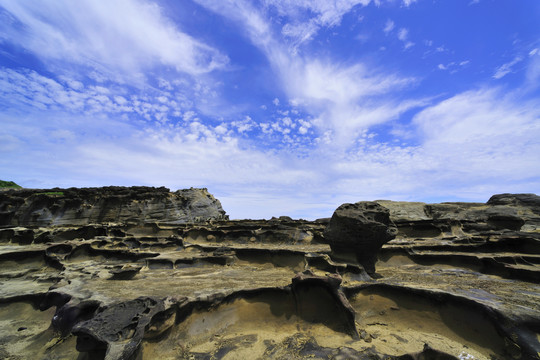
{"x":458,"y":281}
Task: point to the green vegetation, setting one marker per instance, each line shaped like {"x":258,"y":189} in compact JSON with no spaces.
{"x":51,"y":193}
{"x":9,"y":185}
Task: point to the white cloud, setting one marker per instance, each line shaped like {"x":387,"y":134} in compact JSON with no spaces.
{"x":408,"y":2}
{"x":322,"y":13}
{"x":330,"y":82}
{"x":533,"y":69}
{"x":408,"y":44}
{"x":403,"y":34}
{"x":188,"y":115}
{"x":333,"y":94}
{"x":506,"y":69}
{"x":362,"y":37}
{"x":92,"y":34}
{"x":27,"y":90}
{"x":300,"y":32}
{"x":470,"y":146}
{"x":453,"y":66}
{"x":329,"y":91}
{"x":120,"y":100}
{"x":114,"y":152}
{"x":301,"y":19}
{"x":245,"y":125}
{"x":483,"y":133}
{"x":389,"y":26}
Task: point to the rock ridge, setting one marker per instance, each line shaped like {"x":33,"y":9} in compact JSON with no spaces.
{"x":114,"y":204}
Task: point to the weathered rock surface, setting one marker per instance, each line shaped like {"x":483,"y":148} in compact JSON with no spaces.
{"x":138,"y":205}
{"x":362,"y":229}
{"x":458,"y":281}
{"x":116,"y":331}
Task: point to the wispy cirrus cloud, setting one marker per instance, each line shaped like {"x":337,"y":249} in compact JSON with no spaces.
{"x":332,"y":92}
{"x":472,"y":144}
{"x":322,"y":14}
{"x":478,"y":130}
{"x":119,"y":39}
{"x":533,"y":68}
{"x":506,"y":68}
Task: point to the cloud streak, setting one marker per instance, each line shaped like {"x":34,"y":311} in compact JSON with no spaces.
{"x":506,"y":68}
{"x":330,"y":91}
{"x":126,"y":36}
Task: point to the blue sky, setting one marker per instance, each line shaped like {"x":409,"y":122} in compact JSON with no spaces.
{"x":277,"y":107}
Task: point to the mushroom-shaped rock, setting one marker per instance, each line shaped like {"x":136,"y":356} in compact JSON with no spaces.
{"x":361,"y":229}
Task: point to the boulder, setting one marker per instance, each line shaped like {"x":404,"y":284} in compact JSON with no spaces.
{"x":362,"y":229}
{"x":528,"y":200}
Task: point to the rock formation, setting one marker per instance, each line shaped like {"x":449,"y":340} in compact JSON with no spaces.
{"x":362,"y":229}
{"x":124,"y":278}
{"x":136,"y":205}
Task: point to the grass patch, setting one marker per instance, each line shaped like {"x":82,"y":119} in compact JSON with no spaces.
{"x":51,"y":193}
{"x":9,"y":185}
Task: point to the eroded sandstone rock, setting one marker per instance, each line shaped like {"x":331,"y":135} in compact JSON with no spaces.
{"x":116,"y":331}
{"x":114,"y":204}
{"x":458,"y":281}
{"x":362,"y":229}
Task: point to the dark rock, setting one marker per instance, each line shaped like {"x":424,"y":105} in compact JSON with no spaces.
{"x":528,"y":200}
{"x":23,"y":236}
{"x":361,"y":228}
{"x":324,"y":221}
{"x":73,"y":312}
{"x":44,"y":237}
{"x":427,"y":353}
{"x":119,"y":329}
{"x":505,"y":211}
{"x":338,"y":312}
{"x":300,"y":346}
{"x":137,"y":205}
{"x":125,"y":273}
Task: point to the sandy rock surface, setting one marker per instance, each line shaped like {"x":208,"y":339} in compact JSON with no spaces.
{"x":458,"y":281}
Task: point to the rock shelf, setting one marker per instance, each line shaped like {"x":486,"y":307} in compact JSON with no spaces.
{"x":133,"y":279}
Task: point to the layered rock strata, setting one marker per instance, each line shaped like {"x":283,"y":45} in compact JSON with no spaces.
{"x":135,"y":205}
{"x":458,"y":281}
